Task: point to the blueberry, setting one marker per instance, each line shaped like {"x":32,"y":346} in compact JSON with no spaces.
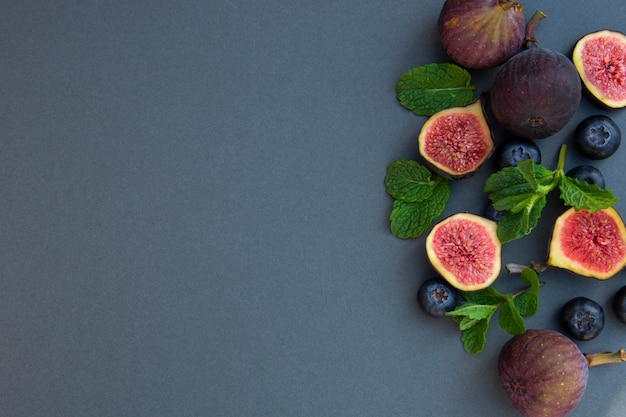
{"x":491,"y":213}
{"x":582,"y":318}
{"x":513,"y":150}
{"x":587,"y":173}
{"x":619,"y":304}
{"x":597,"y":137}
{"x":436,"y":297}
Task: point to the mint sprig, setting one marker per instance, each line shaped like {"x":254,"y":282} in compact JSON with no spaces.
{"x":475,"y":313}
{"x":520,"y":193}
{"x":420,"y":197}
{"x":427,"y":89}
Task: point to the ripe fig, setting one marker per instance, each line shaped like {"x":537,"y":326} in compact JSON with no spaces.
{"x":465,"y":250}
{"x":481,"y":34}
{"x":455,"y":142}
{"x":544,"y":374}
{"x":589,"y":244}
{"x":536,"y":92}
{"x":600,"y":58}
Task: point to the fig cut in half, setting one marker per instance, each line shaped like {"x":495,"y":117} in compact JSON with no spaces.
{"x":600,"y":59}
{"x":455,"y":142}
{"x":589,"y":244}
{"x":465,"y":250}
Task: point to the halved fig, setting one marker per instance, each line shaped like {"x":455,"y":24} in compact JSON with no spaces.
{"x":589,"y":244}
{"x":456,"y":141}
{"x":600,"y":59}
{"x":464,"y":248}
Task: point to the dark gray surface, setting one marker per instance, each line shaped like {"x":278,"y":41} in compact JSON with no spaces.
{"x":195,"y":222}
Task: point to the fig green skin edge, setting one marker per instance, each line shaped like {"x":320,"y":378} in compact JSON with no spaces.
{"x":536,"y":93}
{"x":481,"y":34}
{"x":543,"y":373}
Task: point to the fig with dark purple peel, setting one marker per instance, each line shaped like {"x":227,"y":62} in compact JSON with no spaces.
{"x":544,"y":374}
{"x":481,"y":34}
{"x":455,"y":142}
{"x":537,"y":91}
{"x":600,"y":58}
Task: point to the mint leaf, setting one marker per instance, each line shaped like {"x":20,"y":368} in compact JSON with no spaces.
{"x":474,"y":314}
{"x":516,"y":225}
{"x":582,"y":195}
{"x":487,"y":296}
{"x":527,"y":169}
{"x":529,"y":277}
{"x":412,"y":219}
{"x":465,"y":323}
{"x":474,"y":311}
{"x":528,"y":302}
{"x":474,"y":338}
{"x":408,"y":181}
{"x":430,"y":88}
{"x":520,"y":193}
{"x":510,"y":319}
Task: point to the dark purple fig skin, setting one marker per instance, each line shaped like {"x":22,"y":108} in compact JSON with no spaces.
{"x":481,"y":34}
{"x":543,"y":373}
{"x":536,"y":93}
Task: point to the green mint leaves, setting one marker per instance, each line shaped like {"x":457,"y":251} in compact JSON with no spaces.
{"x":420,"y":197}
{"x":520,"y":193}
{"x":430,"y":88}
{"x":475,"y":313}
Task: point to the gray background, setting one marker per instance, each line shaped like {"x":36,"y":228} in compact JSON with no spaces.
{"x":194,"y":221}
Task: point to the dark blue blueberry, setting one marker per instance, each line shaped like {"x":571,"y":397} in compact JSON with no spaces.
{"x":582,"y":318}
{"x":491,"y":213}
{"x":513,"y":150}
{"x":619,"y":304}
{"x":436,"y":297}
{"x":597,"y":137}
{"x":589,"y":174}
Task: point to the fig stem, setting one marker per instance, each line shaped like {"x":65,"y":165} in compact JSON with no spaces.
{"x":514,"y":268}
{"x":603,"y":358}
{"x":529,"y":39}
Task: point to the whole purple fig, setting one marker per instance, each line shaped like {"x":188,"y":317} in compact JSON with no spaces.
{"x":536,"y":92}
{"x":481,"y":34}
{"x":544,"y":374}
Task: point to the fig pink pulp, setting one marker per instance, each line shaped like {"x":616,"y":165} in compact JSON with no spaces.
{"x":465,"y":250}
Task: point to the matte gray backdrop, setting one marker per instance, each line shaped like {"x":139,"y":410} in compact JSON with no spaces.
{"x":194,"y":220}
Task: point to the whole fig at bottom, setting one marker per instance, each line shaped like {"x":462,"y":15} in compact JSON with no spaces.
{"x":543,"y":373}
